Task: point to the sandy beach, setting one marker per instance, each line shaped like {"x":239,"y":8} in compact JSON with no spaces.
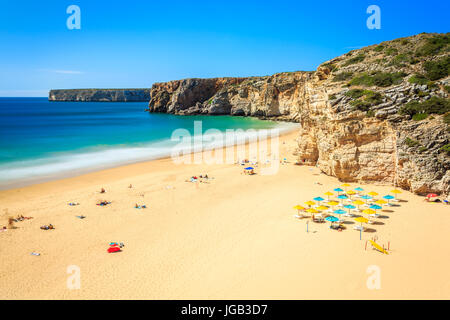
{"x":230,"y":237}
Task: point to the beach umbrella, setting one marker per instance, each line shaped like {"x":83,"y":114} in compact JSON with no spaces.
{"x":249,"y":168}
{"x":310,"y":203}
{"x":312,"y":210}
{"x":340,"y":211}
{"x":373,"y":193}
{"x":321,"y":208}
{"x":431,"y":195}
{"x":380,"y":202}
{"x":350,"y":193}
{"x":338,"y":190}
{"x":359,"y":189}
{"x":345,"y":185}
{"x":361,"y":220}
{"x":366,"y":197}
{"x":342,"y":196}
{"x":328,"y":194}
{"x":349,"y":207}
{"x":332,"y":219}
{"x":318,"y":199}
{"x":396,"y":192}
{"x":376,"y":207}
{"x":358,"y":203}
{"x":299,"y":208}
{"x":333,"y":203}
{"x":369,"y":211}
{"x":388,"y":197}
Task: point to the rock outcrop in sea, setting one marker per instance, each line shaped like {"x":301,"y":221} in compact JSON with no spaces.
{"x":377,"y":114}
{"x":100,"y":95}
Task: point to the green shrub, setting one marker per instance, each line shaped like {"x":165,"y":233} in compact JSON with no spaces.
{"x":362,"y":80}
{"x":411,"y":143}
{"x":418,"y":79}
{"x":419,"y":116}
{"x":379,"y":48}
{"x":355,"y":93}
{"x":422,"y":149}
{"x":447,"y":118}
{"x":391,"y":51}
{"x":434,"y":45}
{"x":447,"y":88}
{"x":436,"y":70}
{"x":343,"y":76}
{"x":384,"y":79}
{"x":434,"y":105}
{"x":357,"y":59}
{"x":446,"y":149}
{"x":360,"y":105}
{"x":370,"y":113}
{"x":332,"y":97}
{"x":404,"y":42}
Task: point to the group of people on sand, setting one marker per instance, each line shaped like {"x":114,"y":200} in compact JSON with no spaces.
{"x":198,"y":178}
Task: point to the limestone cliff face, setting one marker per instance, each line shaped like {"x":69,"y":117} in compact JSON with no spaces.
{"x":100,"y":95}
{"x":378,"y":114}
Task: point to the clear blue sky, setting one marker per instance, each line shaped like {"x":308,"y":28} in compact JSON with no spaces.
{"x":136,"y":43}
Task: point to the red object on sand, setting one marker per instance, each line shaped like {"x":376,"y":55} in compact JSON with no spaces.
{"x":113,"y":249}
{"x":432,"y":195}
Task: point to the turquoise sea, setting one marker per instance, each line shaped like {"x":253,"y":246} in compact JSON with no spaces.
{"x":42,"y":140}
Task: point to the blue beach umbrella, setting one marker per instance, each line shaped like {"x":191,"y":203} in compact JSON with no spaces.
{"x":388,"y":197}
{"x":376,"y":207}
{"x":366,"y":197}
{"x":338,"y":190}
{"x":359,"y":189}
{"x":331,"y":219}
{"x":249,"y":168}
{"x":349,"y":207}
{"x":318,"y":199}
{"x":342,"y":196}
{"x":340,"y":211}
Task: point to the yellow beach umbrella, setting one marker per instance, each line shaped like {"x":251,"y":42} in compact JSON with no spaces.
{"x":322,"y":208}
{"x":312,"y":210}
{"x":345,"y":185}
{"x":381,"y":201}
{"x":333,"y":203}
{"x":310,"y":203}
{"x":395,"y":192}
{"x":361,"y":220}
{"x":351,"y":192}
{"x":328,"y":194}
{"x":372,"y":193}
{"x":358,"y":203}
{"x":369,"y":211}
{"x":299,"y":207}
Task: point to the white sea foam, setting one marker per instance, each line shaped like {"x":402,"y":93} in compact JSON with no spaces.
{"x":22,"y":173}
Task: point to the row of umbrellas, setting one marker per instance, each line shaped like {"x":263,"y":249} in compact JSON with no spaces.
{"x":347,"y":194}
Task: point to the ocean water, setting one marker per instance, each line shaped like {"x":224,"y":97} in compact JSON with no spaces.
{"x":42,"y":140}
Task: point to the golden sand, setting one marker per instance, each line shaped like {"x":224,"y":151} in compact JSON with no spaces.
{"x":232,"y":238}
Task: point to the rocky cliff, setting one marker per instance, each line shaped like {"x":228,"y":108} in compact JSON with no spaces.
{"x":100,"y":95}
{"x":377,"y":114}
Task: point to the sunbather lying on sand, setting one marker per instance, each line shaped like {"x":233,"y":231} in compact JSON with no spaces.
{"x":103,"y":203}
{"x":49,"y":227}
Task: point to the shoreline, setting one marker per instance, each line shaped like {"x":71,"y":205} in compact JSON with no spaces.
{"x":282,"y":126}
